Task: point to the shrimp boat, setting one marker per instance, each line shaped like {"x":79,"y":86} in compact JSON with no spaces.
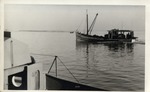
{"x":113,"y":35}
{"x":23,"y":72}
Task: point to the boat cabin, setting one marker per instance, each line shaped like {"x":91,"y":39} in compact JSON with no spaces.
{"x":120,"y":34}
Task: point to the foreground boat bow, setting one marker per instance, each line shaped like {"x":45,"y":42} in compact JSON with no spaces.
{"x":53,"y":83}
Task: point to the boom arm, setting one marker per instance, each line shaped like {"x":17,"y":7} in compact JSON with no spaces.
{"x":92,"y":25}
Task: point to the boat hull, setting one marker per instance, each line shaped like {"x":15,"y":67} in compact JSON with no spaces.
{"x":54,"y":83}
{"x":89,"y":38}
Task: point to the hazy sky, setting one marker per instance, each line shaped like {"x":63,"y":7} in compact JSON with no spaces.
{"x":69,"y":17}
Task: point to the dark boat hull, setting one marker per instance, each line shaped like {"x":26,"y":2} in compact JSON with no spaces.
{"x":53,"y":83}
{"x":89,"y":38}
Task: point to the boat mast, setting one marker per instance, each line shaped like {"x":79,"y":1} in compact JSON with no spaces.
{"x":92,"y":25}
{"x":87,"y":21}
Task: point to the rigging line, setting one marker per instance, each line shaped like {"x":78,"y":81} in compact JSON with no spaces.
{"x":80,"y":24}
{"x":43,"y":54}
{"x":68,"y":69}
{"x":52,"y":64}
{"x":48,"y":55}
{"x":55,"y":61}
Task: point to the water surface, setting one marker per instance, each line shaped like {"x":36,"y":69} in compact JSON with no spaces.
{"x":109,"y":66}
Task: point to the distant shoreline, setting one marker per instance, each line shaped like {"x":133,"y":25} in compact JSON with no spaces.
{"x":43,"y":31}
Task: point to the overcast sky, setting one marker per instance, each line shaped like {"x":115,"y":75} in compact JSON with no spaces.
{"x":69,"y":17}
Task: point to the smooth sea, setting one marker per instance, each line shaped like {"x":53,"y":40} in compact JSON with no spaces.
{"x":110,"y":66}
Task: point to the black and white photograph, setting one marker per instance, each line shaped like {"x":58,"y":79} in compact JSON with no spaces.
{"x":74,"y":47}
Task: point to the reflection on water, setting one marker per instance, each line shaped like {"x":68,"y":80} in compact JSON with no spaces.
{"x":90,"y":49}
{"x":113,"y":65}
{"x":120,"y":46}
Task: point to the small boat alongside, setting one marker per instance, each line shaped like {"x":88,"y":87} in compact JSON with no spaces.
{"x":71,"y":32}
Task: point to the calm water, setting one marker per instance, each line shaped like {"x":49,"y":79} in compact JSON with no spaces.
{"x":108,"y":66}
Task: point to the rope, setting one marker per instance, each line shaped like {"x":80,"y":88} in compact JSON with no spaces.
{"x":52,"y":64}
{"x":48,"y":55}
{"x":68,"y":69}
{"x":43,"y":54}
{"x":55,"y":61}
{"x":80,"y":24}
